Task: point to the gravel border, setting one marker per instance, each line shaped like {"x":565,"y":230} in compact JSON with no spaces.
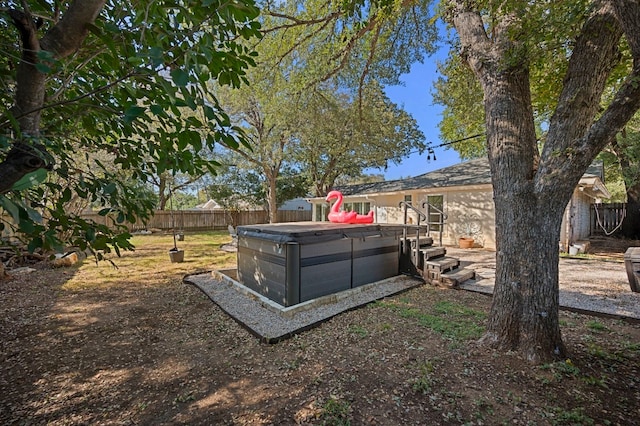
{"x":626,"y":308}
{"x":272,"y":322}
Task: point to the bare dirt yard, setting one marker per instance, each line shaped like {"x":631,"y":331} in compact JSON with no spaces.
{"x":135,"y":345}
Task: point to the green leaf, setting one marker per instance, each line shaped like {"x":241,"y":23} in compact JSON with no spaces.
{"x":44,"y":69}
{"x":34,"y":244}
{"x":66,"y":195}
{"x":132,"y":113}
{"x":157,"y":110}
{"x":34,"y":215}
{"x":30,"y":179}
{"x":27,"y":227}
{"x":11,"y":208}
{"x":179,"y":77}
{"x":156,"y":56}
{"x":110,"y":188}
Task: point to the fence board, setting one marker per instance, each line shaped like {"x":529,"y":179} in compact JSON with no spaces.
{"x":204,"y":220}
{"x":606,"y":218}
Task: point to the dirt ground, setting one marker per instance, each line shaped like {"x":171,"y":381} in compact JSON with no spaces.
{"x":158,"y":352}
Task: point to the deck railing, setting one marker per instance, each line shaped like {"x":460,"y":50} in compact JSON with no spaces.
{"x":440,"y":217}
{"x":417,"y":228}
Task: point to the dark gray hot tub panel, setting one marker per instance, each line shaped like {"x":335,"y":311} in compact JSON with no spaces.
{"x":293,"y":263}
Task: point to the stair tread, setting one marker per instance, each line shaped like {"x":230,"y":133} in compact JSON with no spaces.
{"x":426,"y":241}
{"x":441,"y":262}
{"x":458,"y":276}
{"x":434,"y":252}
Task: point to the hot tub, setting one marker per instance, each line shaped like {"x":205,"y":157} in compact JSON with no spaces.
{"x":291,"y":263}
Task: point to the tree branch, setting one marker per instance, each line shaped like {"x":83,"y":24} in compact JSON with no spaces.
{"x":61,"y":40}
{"x":475,"y":42}
{"x":70,"y":32}
{"x":572,"y":131}
{"x":628,"y":14}
{"x":7,"y":122}
{"x":296,"y":22}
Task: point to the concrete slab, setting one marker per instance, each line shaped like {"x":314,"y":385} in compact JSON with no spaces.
{"x":589,"y":286}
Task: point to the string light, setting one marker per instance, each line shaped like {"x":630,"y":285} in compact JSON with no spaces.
{"x":430,"y":150}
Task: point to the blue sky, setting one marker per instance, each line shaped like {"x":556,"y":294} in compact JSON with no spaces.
{"x":415,"y":97}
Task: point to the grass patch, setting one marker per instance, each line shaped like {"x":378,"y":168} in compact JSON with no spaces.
{"x":602,"y":353}
{"x":576,"y":256}
{"x":335,"y":412}
{"x":358,"y":330}
{"x":452,"y":320}
{"x":424,"y":382}
{"x":562,"y":369}
{"x":596,"y":325}
{"x":576,"y":416}
{"x":631,"y":347}
{"x":149,"y":264}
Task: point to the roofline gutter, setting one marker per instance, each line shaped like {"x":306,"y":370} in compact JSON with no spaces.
{"x":430,"y":190}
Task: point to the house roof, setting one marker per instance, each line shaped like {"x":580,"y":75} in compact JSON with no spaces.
{"x":596,"y":169}
{"x":209,"y":205}
{"x":468,"y":173}
{"x":473,"y":172}
{"x":296,"y":204}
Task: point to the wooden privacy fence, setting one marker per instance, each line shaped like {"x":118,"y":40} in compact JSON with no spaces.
{"x":189,"y":220}
{"x":607,"y":218}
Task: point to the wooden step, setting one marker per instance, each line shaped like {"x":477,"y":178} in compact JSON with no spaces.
{"x":434,"y":268}
{"x":424,"y":241}
{"x":442,"y":263}
{"x":434,"y":253}
{"x":456,"y":277}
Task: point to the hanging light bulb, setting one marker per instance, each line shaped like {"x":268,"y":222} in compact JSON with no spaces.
{"x":430,"y":152}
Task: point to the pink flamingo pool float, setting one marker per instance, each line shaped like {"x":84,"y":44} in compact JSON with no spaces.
{"x":337,"y":216}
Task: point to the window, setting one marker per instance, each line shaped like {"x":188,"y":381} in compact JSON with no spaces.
{"x":436,"y":205}
{"x":360,"y":208}
{"x":322,"y":210}
{"x":408,"y":199}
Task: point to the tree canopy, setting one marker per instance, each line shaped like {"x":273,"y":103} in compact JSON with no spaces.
{"x":328,"y":117}
{"x":341,"y":136}
{"x":109,"y":97}
{"x":95,"y":77}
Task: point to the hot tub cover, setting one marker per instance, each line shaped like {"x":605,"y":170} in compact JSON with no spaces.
{"x":314,"y":232}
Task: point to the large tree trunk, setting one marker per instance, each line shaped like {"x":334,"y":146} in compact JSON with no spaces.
{"x":531,"y":191}
{"x":525,"y":307}
{"x":526,"y":292}
{"x":61,"y":40}
{"x":524,"y":313}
